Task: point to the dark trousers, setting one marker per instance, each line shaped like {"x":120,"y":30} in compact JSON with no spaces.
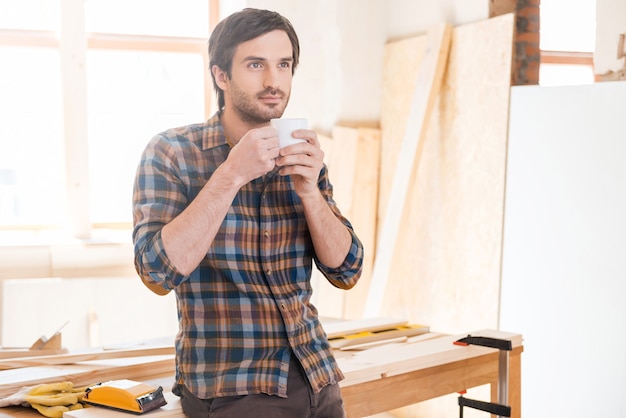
{"x":301,"y":402}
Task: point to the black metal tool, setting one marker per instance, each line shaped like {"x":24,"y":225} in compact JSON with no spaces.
{"x":501,"y":408}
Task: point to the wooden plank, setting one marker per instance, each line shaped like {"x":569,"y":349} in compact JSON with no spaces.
{"x":364,"y":214}
{"x":12,"y":353}
{"x":87,"y":373}
{"x":424,"y":96}
{"x":69,"y":358}
{"x":402,"y":62}
{"x":340,"y":158}
{"x":342,"y":165}
{"x":395,"y":359}
{"x":353,"y":158}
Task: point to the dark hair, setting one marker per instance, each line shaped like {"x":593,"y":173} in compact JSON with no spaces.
{"x":241,"y":27}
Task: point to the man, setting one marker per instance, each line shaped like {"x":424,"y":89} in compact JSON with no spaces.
{"x":233,"y":224}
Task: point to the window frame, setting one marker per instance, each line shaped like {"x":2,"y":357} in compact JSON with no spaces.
{"x":73,"y":42}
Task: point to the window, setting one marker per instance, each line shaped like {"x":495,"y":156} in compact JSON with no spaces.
{"x":79,"y":104}
{"x":567,"y":42}
{"x":31,"y":161}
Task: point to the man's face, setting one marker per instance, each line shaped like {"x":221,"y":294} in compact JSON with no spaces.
{"x":261,"y":76}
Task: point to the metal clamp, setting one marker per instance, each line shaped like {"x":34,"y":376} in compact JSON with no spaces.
{"x":501,"y":408}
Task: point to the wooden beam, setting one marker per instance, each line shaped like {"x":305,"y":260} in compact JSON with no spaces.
{"x":69,"y":358}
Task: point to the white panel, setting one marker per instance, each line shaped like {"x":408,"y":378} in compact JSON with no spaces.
{"x":100,"y":311}
{"x":564,"y":262}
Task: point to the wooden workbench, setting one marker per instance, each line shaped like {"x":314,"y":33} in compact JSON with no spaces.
{"x":398,"y":375}
{"x":377,"y":379}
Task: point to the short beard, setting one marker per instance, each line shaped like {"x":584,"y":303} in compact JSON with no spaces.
{"x":252,"y":115}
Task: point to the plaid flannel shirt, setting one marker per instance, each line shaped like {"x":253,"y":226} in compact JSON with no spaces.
{"x":246,"y":308}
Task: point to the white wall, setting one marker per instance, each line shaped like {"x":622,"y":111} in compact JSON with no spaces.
{"x":342,"y":44}
{"x":564,"y":263}
{"x":98,"y":311}
{"x":340,"y":69}
{"x":611,"y":21}
{"x":414,"y":17}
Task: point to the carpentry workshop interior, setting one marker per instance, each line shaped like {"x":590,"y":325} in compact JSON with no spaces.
{"x":478,"y":148}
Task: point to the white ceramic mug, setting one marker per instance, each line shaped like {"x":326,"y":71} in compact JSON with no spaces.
{"x":285,"y":128}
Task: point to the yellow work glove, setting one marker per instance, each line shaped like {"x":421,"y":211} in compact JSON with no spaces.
{"x":53,"y":399}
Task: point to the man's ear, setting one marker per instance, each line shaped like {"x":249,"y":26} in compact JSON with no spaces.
{"x":221,"y":78}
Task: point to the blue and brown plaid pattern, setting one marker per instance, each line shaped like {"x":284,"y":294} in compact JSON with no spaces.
{"x":247,"y":307}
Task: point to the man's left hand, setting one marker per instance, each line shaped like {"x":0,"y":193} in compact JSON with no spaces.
{"x":303,"y":162}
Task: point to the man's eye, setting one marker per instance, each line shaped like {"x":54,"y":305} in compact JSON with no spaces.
{"x":255,"y":65}
{"x":285,"y":65}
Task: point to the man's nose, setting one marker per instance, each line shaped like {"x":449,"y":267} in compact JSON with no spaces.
{"x":272,"y":79}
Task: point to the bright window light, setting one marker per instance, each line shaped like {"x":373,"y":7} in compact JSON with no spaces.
{"x":32,"y":158}
{"x":185,"y":18}
{"x":568,"y":25}
{"x":147,"y":78}
{"x":133,"y":96}
{"x":29,"y":14}
{"x":565,"y":75}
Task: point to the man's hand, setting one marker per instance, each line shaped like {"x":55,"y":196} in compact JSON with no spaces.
{"x":303,"y":161}
{"x":255,"y":153}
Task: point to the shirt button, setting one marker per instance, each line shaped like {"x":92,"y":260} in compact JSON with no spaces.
{"x":266,"y":234}
{"x":269,"y":272}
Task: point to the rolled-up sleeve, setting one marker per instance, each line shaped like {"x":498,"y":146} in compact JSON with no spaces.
{"x":348,"y":273}
{"x":158,"y":197}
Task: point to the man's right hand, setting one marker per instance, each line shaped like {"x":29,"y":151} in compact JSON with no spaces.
{"x":255,"y":153}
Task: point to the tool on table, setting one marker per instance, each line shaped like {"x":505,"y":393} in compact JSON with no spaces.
{"x":373,"y":336}
{"x":501,"y":409}
{"x":125,"y":395}
{"x":54,"y":342}
{"x":44,"y":346}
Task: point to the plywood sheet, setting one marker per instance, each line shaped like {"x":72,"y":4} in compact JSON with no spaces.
{"x":447,"y":260}
{"x":364,"y":215}
{"x":340,"y":158}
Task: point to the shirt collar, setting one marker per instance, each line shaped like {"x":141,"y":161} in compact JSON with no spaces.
{"x":214,"y":132}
